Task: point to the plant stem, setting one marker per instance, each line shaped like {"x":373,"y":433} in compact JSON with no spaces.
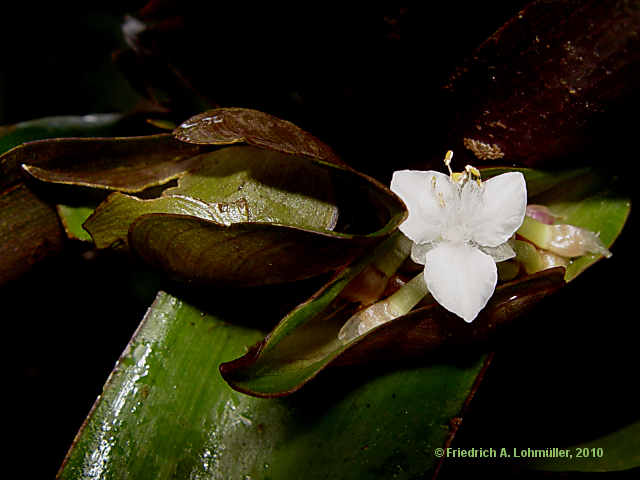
{"x":394,"y":306}
{"x":536,"y":232}
{"x":528,"y":256}
{"x":369,"y":285}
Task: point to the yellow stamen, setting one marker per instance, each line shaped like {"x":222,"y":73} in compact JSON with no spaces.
{"x":474,"y":172}
{"x":447,"y":160}
{"x":458,"y":177}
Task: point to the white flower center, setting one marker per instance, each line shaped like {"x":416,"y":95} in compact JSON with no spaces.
{"x":455,"y":226}
{"x":455,"y":233}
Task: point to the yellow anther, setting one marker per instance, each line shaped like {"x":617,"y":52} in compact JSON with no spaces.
{"x":448,"y":157}
{"x":433,"y":182}
{"x":447,"y":160}
{"x":473,"y":171}
{"x":441,"y":200}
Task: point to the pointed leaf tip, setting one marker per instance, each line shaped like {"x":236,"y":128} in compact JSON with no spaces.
{"x":223,"y":126}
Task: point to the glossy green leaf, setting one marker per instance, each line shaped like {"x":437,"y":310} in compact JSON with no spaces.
{"x":166,"y":413}
{"x":589,"y":203}
{"x":108,"y":225}
{"x":585,"y":198}
{"x":235,"y":184}
{"x":618,"y":450}
{"x":276,"y":188}
{"x":305,"y":342}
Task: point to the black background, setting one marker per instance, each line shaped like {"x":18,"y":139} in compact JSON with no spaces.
{"x":363,"y":81}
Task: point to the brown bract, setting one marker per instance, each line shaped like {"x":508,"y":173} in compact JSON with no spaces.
{"x":127,"y":164}
{"x":29,"y":231}
{"x":222,"y":126}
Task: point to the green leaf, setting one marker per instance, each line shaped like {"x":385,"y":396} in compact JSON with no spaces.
{"x":166,"y":413}
{"x":234,"y":184}
{"x":266,"y":249}
{"x":72,"y":218}
{"x":108,"y":225}
{"x":586,"y":197}
{"x":593,"y":203}
{"x":540,"y":181}
{"x":618,"y":450}
{"x":263,"y":211}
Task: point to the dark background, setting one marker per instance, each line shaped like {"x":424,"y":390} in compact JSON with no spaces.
{"x":366,"y":82}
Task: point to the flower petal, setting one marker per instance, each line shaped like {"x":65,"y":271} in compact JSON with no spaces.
{"x":500,"y":253}
{"x":495,"y":210}
{"x":419,"y":251}
{"x":426,"y":194}
{"x":461,"y":278}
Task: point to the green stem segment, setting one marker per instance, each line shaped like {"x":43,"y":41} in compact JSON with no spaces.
{"x":535,"y":231}
{"x":394,"y":306}
{"x":370,"y":284}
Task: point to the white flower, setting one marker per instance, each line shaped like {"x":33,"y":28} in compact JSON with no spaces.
{"x":460,"y":226}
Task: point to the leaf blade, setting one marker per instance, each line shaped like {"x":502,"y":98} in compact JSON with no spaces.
{"x":224,"y":126}
{"x":128,"y":164}
{"x":241,"y":254}
{"x":615,"y":451}
{"x":30,"y":228}
{"x":248,"y":216}
{"x":165,"y":413}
